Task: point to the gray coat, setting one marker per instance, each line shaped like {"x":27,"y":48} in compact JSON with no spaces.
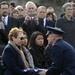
{"x":69,"y":28}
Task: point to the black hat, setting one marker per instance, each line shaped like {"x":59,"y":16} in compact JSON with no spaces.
{"x":54,"y":30}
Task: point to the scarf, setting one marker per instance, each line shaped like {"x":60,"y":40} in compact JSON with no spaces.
{"x":26,"y":65}
{"x":29,"y":57}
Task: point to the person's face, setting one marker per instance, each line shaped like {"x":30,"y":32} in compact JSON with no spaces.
{"x":50,"y":38}
{"x":50,"y":17}
{"x":18,"y":40}
{"x":31,"y":9}
{"x":39,"y":40}
{"x":69,"y":11}
{"x":21,"y":11}
{"x":42,"y":13}
{"x":25,"y":41}
{"x":16,"y":15}
{"x":5,"y":9}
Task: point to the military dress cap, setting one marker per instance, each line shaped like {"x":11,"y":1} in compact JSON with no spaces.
{"x":54,"y":30}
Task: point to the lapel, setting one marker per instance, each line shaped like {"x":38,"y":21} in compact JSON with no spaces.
{"x":41,"y":21}
{"x":8,"y":23}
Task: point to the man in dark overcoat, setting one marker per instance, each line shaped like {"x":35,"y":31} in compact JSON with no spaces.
{"x":63,"y":54}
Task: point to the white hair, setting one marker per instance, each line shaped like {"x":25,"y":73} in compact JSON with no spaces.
{"x":30,"y":2}
{"x":19,"y":6}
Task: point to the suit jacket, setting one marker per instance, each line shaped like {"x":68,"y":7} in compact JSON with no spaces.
{"x":3,"y":40}
{"x":63,"y":59}
{"x":44,"y":25}
{"x":21,"y":20}
{"x":47,"y":23}
{"x":31,"y":27}
{"x":12,"y":22}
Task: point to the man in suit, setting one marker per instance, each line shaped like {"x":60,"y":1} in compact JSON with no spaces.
{"x":42,"y":14}
{"x":31,"y":21}
{"x":8,"y":21}
{"x":63,"y":54}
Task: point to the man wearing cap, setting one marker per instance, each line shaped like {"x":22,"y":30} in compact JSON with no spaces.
{"x":63,"y":54}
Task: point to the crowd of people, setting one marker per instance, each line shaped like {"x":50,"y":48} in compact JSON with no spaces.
{"x":33,"y":37}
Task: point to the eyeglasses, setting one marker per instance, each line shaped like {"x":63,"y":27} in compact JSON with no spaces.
{"x":20,"y":9}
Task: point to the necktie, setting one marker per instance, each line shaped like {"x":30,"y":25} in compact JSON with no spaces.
{"x":4,"y":21}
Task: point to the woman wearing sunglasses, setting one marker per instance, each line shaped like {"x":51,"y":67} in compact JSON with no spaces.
{"x":13,"y":58}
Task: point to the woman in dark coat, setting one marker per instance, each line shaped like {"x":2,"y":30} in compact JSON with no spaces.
{"x":13,"y":58}
{"x":36,"y":48}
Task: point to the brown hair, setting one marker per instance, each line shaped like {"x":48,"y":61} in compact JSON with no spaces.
{"x":14,"y":11}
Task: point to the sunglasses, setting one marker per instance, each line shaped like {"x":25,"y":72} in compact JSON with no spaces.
{"x":21,"y":38}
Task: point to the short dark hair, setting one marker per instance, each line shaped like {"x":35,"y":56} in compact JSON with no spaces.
{"x":4,"y":3}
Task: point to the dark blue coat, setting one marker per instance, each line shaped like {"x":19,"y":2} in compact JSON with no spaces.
{"x":12,"y":62}
{"x":63,"y":62}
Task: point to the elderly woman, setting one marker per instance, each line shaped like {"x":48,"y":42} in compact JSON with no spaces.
{"x":13,"y":58}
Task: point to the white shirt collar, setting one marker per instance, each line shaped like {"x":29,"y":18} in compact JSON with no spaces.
{"x":44,"y":22}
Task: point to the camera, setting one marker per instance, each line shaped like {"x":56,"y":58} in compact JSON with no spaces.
{"x":32,"y":15}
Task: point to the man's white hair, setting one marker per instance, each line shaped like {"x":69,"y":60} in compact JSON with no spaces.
{"x":30,"y":2}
